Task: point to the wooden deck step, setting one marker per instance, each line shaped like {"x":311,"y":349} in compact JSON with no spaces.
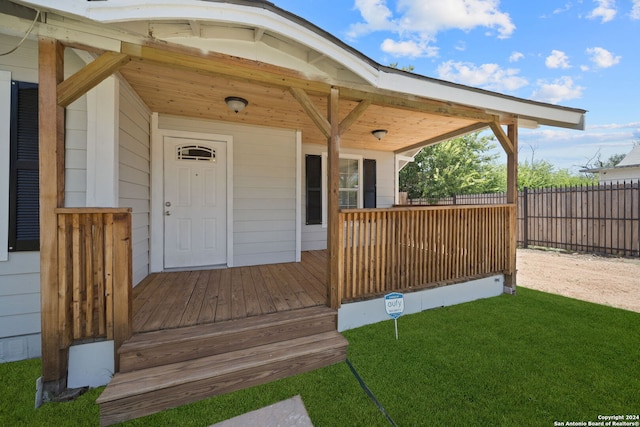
{"x":164,"y":347}
{"x":143,"y":392}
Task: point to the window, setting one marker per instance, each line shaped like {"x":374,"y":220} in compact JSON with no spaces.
{"x":357,"y":182}
{"x":24,"y":193}
{"x":349,"y":183}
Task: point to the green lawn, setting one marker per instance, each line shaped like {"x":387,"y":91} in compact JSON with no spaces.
{"x":528,"y":360}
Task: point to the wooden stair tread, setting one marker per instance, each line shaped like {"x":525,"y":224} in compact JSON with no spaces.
{"x":211,"y":331}
{"x":148,"y":380}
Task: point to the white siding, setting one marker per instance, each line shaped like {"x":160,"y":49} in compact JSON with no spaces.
{"x":20,"y":274}
{"x":314,"y":237}
{"x":134,"y":174}
{"x":264,"y":188}
{"x":626,"y":174}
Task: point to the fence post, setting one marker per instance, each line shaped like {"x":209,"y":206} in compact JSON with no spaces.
{"x":525,"y":217}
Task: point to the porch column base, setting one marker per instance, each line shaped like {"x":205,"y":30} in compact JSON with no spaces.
{"x":509,"y":290}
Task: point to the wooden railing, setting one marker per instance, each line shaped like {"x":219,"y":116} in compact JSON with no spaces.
{"x":384,"y":250}
{"x":94,"y":274}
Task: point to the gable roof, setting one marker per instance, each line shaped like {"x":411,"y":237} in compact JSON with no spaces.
{"x":259,"y":32}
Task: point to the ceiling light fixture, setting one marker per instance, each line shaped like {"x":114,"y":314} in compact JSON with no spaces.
{"x":379,"y":133}
{"x":235,"y":103}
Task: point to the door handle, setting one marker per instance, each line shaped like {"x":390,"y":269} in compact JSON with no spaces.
{"x":167,"y":213}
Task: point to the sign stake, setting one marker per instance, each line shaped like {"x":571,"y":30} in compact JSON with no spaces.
{"x":394,"y":306}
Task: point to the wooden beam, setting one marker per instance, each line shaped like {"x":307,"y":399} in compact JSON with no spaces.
{"x":89,"y":77}
{"x":51,"y":146}
{"x":414,"y":103}
{"x":354,"y":115}
{"x":333,"y":223}
{"x":512,"y":200}
{"x":445,"y":137}
{"x":505,"y":141}
{"x":312,"y":111}
{"x":180,"y":57}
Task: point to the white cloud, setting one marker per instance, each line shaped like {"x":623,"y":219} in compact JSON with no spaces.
{"x":635,"y":10}
{"x":605,"y":10}
{"x":488,"y":76}
{"x":422,"y":20}
{"x":409,"y":49}
{"x":562,"y":89}
{"x":516,"y":56}
{"x":602,"y":58}
{"x":557,"y":59}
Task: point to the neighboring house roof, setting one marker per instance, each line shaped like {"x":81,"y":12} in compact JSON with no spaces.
{"x":631,"y":160}
{"x":260,"y":31}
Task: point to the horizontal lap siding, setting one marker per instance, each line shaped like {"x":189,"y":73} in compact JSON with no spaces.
{"x":264,"y":188}
{"x":20,"y":275}
{"x":134,"y":175}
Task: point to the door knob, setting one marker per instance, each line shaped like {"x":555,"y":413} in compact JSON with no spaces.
{"x":167,"y":213}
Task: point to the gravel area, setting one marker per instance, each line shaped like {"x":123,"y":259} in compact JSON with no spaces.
{"x":603,"y":280}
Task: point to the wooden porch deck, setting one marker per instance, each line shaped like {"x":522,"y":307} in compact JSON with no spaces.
{"x":186,"y":298}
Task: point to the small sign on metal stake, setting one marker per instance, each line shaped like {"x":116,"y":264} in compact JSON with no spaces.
{"x":394,"y":306}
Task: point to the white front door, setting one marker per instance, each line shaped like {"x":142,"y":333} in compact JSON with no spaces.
{"x":195,"y":211}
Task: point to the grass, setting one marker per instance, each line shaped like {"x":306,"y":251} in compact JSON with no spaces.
{"x":526,"y":360}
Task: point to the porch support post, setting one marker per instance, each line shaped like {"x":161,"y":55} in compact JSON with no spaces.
{"x":509,"y":142}
{"x":512,"y":199}
{"x":333,"y":172}
{"x":51,"y":146}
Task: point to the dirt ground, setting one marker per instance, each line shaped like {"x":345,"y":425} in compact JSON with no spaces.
{"x":609,"y":281}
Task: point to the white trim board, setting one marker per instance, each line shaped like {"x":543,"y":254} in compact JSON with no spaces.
{"x":5,"y":137}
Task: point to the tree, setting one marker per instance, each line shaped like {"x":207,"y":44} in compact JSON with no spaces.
{"x":464,"y":165}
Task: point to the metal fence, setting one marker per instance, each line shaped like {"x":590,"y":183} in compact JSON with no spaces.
{"x":602,"y":219}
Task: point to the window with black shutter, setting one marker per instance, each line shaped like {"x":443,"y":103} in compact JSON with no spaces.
{"x":314,"y":189}
{"x":313,"y":175}
{"x":24,"y":194}
{"x":369,"y":183}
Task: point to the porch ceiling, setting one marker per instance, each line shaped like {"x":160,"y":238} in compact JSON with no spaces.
{"x":192,"y":93}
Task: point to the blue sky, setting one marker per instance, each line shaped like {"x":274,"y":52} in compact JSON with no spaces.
{"x":582,"y":54}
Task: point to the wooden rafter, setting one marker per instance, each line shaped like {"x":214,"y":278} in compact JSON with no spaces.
{"x":89,"y":77}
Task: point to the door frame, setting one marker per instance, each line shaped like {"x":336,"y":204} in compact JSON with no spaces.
{"x":156,"y":247}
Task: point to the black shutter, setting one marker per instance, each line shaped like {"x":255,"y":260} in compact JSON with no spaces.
{"x":313,"y":166}
{"x":369,"y":184}
{"x":24,"y":194}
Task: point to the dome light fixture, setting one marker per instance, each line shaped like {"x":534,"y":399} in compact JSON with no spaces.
{"x":236,"y":103}
{"x":379,"y":133}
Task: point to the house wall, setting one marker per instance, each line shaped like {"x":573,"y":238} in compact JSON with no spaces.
{"x":314,"y":237}
{"x":20,"y":271}
{"x":134,"y":174}
{"x":264,"y":188}
{"x":628,"y":174}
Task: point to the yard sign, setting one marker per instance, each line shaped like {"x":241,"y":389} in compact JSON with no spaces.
{"x":394,"y":306}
